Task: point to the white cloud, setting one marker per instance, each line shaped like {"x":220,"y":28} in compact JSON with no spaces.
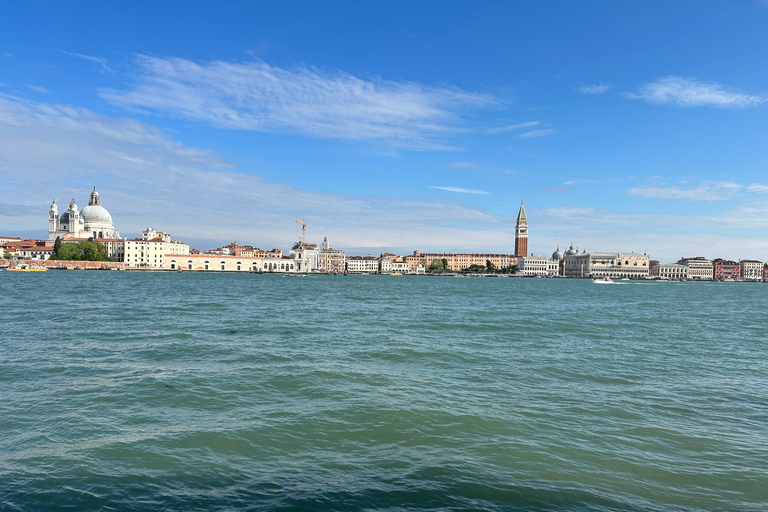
{"x":103,"y":63}
{"x":462,"y":190}
{"x":509,"y":128}
{"x":689,"y":92}
{"x":537,"y":133}
{"x":593,"y":89}
{"x":705,"y":191}
{"x":329,"y":104}
{"x":146,"y":178}
{"x":37,"y":88}
{"x":758,"y":188}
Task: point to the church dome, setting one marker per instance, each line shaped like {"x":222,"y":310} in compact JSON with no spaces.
{"x":557,"y":255}
{"x":571,"y":251}
{"x":95,"y":213}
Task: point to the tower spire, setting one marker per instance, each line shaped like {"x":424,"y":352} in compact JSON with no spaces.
{"x":521,"y":232}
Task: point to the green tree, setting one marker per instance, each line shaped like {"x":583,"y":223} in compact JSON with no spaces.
{"x":475,"y":268}
{"x":437,"y":265}
{"x":56,"y":247}
{"x":445,"y":264}
{"x":89,"y":250}
{"x":490,"y":266}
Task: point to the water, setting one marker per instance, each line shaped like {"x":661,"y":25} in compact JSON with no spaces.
{"x":380,"y":393}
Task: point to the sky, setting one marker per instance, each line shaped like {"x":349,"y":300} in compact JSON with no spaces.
{"x":394,"y":126}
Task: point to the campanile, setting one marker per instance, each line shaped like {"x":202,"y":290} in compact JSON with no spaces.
{"x":521,"y":233}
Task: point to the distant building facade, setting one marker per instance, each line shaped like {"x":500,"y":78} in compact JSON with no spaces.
{"x":606,"y":264}
{"x":751,"y":269}
{"x":725,"y":269}
{"x":538,"y":266}
{"x":699,"y":268}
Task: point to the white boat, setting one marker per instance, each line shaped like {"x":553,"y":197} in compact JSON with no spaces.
{"x":603,"y":280}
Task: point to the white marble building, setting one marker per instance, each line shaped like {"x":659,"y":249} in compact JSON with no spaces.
{"x":94,"y":221}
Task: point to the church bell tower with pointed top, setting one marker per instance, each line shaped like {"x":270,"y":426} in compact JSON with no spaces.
{"x":521,"y":233}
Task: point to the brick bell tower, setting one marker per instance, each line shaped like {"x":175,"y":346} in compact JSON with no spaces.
{"x":521,"y":233}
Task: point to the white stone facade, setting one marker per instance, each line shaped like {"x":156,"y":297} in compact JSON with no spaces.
{"x":363,"y":265}
{"x":538,"y":266}
{"x":606,"y":264}
{"x":673,"y":271}
{"x":699,"y":269}
{"x":751,"y":269}
{"x":93,"y":222}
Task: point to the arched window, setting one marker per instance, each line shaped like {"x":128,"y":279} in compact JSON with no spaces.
{"x":206,"y":265}
{"x":173,"y":264}
{"x":189,"y":264}
{"x":223,"y":265}
{"x":238,"y":265}
{"x":101,"y":234}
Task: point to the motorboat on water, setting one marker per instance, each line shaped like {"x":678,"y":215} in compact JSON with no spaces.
{"x":603,"y":280}
{"x":26,"y":267}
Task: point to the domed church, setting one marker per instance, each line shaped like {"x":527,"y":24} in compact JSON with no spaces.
{"x":94,"y":221}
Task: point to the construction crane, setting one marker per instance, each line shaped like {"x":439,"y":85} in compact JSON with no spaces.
{"x":303,"y":229}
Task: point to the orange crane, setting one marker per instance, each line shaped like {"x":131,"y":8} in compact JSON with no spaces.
{"x":303,"y":229}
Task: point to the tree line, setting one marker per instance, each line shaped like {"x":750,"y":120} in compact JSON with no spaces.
{"x":488,"y":268}
{"x":89,"y":250}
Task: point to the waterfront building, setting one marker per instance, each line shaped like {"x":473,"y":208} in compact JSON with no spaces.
{"x":385,"y":265}
{"x":699,"y":268}
{"x":538,"y":266}
{"x":521,"y":233}
{"x":32,"y":249}
{"x":211,"y":263}
{"x":606,"y":264}
{"x":765,"y":272}
{"x":93,"y":222}
{"x":460,"y":261}
{"x":331,"y":260}
{"x":152,"y":249}
{"x":307,"y":256}
{"x":362,"y":265}
{"x":672,"y":271}
{"x":751,"y":269}
{"x":725,"y":269}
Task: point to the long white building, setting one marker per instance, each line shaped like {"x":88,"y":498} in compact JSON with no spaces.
{"x":606,"y":264}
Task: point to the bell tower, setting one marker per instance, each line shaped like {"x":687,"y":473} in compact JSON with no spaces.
{"x":521,"y":233}
{"x":53,"y":221}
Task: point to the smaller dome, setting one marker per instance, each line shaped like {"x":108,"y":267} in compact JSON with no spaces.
{"x":571,"y":251}
{"x":557,"y":255}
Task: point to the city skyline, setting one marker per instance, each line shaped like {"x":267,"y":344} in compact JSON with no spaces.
{"x":624,"y":127}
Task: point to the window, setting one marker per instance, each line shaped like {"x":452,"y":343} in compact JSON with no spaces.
{"x":206,"y":265}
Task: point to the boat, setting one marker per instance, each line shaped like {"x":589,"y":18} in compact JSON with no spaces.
{"x":603,"y":280}
{"x":26,"y":267}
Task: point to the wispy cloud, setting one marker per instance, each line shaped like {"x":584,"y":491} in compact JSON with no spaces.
{"x":593,"y":89}
{"x":463,"y":165}
{"x":329,"y":104}
{"x":705,"y":191}
{"x":149,"y":179}
{"x":758,"y":188}
{"x":689,"y":92}
{"x":103,"y":64}
{"x":462,"y":190}
{"x":509,"y":128}
{"x":537,"y":133}
{"x":37,"y":88}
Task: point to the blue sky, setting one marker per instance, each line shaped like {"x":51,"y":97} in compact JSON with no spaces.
{"x":633,"y":126}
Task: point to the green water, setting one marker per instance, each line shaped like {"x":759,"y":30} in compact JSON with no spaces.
{"x":129,"y":391}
